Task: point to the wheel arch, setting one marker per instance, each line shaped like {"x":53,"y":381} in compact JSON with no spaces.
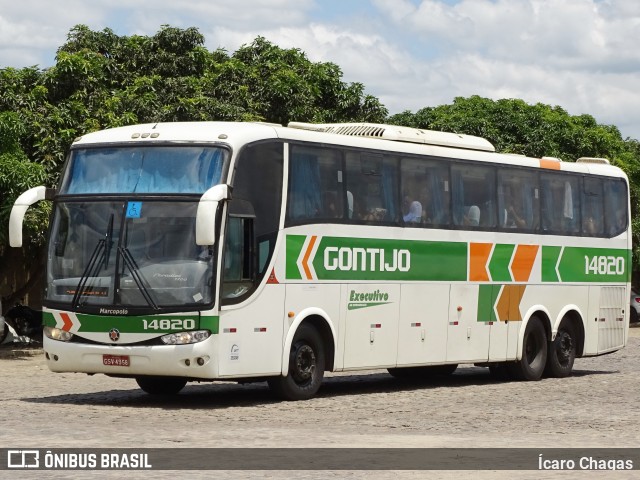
{"x":325,"y":327}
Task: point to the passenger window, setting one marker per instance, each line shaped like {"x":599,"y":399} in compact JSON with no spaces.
{"x":592,"y":207}
{"x":473,"y":192}
{"x":372,"y":181}
{"x":560,"y":203}
{"x":425,"y":192}
{"x":316,"y":190}
{"x":518,"y":195}
{"x":615,"y":205}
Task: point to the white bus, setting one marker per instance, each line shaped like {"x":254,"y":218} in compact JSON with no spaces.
{"x":206,"y":251}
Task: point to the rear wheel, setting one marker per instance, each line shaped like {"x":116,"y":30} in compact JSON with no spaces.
{"x":562,"y":352}
{"x":634,"y":316}
{"x":534,"y":353}
{"x":417,"y":373}
{"x":306,"y":367}
{"x":161,"y":385}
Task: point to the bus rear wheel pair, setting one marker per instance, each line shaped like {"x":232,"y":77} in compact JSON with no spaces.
{"x":541,"y":356}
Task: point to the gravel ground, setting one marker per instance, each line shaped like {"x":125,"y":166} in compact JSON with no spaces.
{"x":592,"y":408}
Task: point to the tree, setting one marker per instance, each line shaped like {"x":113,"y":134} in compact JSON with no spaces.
{"x":18,"y":174}
{"x":102,"y":80}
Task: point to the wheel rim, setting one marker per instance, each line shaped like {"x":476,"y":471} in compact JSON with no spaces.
{"x":565,"y":348}
{"x":304,"y":364}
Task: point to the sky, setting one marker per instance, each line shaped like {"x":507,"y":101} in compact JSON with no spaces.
{"x":583,"y":55}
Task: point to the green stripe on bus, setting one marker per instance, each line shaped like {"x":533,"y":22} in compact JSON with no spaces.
{"x":579,"y":264}
{"x":48,"y":320}
{"x":550,"y":257}
{"x":160,"y":324}
{"x":499,"y":263}
{"x":340,"y":258}
{"x":487,"y":297}
{"x":294,"y":248}
{"x":372,"y":259}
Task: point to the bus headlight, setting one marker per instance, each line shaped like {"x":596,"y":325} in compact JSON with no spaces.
{"x":184,"y":338}
{"x":57,"y":334}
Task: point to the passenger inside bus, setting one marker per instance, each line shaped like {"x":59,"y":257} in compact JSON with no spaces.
{"x":413,"y":211}
{"x":472,"y":217}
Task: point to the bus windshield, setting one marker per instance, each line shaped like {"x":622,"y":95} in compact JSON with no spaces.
{"x":176,"y":169}
{"x":133,"y":254}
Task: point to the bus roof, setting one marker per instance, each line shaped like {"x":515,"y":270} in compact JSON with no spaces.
{"x":359,"y":135}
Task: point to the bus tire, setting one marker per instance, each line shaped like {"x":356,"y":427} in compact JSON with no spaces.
{"x":161,"y":385}
{"x":306,"y":367}
{"x":562,"y":352}
{"x":534,"y":353}
{"x":417,"y":373}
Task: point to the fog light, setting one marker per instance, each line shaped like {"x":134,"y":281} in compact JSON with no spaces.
{"x":57,"y":334}
{"x":184,"y":338}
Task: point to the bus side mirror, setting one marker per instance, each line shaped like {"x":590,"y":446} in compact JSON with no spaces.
{"x":207,"y":211}
{"x":20,"y":206}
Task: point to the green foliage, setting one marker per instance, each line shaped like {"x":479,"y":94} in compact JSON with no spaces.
{"x":17,"y":174}
{"x":514,"y":126}
{"x":102,"y":80}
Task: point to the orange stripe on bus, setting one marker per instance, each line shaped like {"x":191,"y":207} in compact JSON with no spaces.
{"x":522,"y":263}
{"x":550,"y":164}
{"x":508,"y":303}
{"x":305,"y":259}
{"x":478,"y":258}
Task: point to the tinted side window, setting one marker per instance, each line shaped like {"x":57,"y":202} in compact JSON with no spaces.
{"x":615,"y":206}
{"x":473,"y":195}
{"x":372,"y":184}
{"x":592,"y":207}
{"x":425,"y":192}
{"x":518,"y":199}
{"x":316,"y":190}
{"x":560,"y":209}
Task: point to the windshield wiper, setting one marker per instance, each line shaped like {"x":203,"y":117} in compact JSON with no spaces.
{"x":108,"y":241}
{"x":99,"y":257}
{"x":130,"y":262}
{"x":92,"y":268}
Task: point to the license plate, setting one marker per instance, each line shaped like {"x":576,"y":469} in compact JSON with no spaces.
{"x":116,"y":360}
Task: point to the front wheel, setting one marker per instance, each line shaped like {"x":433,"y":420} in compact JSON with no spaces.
{"x":161,"y":385}
{"x":562,"y":352}
{"x":306,"y":367}
{"x":534,"y":353}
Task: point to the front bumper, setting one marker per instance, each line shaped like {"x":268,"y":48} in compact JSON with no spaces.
{"x":197,"y":360}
